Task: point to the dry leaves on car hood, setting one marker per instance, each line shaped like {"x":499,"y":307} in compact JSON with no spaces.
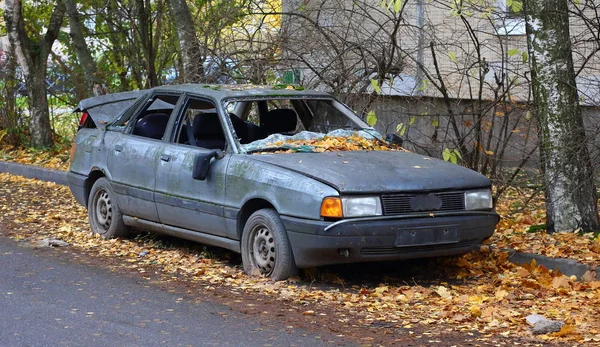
{"x":329,"y":144}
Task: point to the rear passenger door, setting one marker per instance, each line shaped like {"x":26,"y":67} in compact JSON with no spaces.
{"x":134,"y":155}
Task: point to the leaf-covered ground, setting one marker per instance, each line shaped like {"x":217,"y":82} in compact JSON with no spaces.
{"x":480,"y":295}
{"x":519,"y":211}
{"x":57,"y":158}
{"x":522,"y":228}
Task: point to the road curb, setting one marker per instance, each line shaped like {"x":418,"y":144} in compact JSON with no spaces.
{"x":566,"y":266}
{"x":32,"y":171}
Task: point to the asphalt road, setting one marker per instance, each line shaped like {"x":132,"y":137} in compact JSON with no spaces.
{"x":46,"y":299}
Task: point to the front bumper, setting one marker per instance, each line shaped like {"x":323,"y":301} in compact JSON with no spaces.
{"x":316,"y":243}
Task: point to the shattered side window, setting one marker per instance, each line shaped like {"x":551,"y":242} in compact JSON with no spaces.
{"x":106,"y":113}
{"x":152,"y":120}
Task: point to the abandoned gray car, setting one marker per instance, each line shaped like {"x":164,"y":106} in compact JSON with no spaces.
{"x":289,"y":178}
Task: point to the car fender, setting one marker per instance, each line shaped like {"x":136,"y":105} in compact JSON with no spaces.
{"x":290,"y":193}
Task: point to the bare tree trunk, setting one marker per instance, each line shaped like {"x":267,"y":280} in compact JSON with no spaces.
{"x":8,"y":109}
{"x":192,"y":54}
{"x":86,"y":61}
{"x":119,"y":35}
{"x":39,"y":124}
{"x":570,"y":191}
{"x":144,"y":24}
{"x":33,"y":58}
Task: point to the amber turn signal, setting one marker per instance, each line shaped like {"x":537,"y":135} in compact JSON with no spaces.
{"x":331,"y":207}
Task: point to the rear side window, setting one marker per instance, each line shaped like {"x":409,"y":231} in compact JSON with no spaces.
{"x":106,"y":113}
{"x":152,"y":120}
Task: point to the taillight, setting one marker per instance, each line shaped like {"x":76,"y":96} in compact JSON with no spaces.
{"x":84,"y":118}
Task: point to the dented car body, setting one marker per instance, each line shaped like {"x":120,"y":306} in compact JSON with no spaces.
{"x":242,"y":168}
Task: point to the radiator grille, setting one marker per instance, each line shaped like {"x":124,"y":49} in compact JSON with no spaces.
{"x":394,"y":204}
{"x":414,"y":249}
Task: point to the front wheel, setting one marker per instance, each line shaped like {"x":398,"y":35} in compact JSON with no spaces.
{"x":103,"y":212}
{"x":266,"y":249}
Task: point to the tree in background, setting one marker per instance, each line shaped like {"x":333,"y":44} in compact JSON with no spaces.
{"x":191,"y":53}
{"x":10,"y":130}
{"x":131,"y":41}
{"x":148,"y":26}
{"x":571,"y":201}
{"x":342,"y":45}
{"x":32,"y":52}
{"x":77,"y":32}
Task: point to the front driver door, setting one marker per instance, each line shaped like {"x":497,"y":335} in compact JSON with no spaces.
{"x":182,"y":201}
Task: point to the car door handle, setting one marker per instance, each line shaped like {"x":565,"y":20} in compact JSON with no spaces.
{"x":165,"y":157}
{"x":118,"y":148}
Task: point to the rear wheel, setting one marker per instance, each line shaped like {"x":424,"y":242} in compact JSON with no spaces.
{"x":266,"y":249}
{"x":104,"y":214}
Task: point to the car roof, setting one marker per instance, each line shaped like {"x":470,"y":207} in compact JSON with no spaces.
{"x":226,"y":91}
{"x":215,"y":91}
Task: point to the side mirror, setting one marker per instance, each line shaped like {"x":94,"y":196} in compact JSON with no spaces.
{"x":202,"y":163}
{"x":394,"y":139}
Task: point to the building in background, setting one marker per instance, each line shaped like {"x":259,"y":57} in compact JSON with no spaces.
{"x":442,"y":76}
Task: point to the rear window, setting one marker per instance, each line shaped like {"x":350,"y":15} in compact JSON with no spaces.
{"x":105,"y":113}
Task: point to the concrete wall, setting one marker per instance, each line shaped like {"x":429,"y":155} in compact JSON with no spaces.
{"x":428,"y":130}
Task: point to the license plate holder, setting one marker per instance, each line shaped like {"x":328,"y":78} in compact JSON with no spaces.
{"x":425,"y":236}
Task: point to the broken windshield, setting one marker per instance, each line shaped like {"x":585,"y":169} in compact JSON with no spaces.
{"x":312,"y":142}
{"x":300,"y":125}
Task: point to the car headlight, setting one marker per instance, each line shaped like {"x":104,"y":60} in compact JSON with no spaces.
{"x":479,"y":200}
{"x":360,"y":207}
{"x":335,"y":207}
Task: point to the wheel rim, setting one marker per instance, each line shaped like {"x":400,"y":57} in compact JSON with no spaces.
{"x":103,"y":210}
{"x":263,"y":249}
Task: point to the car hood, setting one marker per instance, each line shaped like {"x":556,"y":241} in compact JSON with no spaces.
{"x":378,"y":171}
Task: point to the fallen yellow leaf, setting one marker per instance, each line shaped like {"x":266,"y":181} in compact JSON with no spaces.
{"x":475,"y":311}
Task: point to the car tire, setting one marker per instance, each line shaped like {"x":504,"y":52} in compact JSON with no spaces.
{"x":266,"y":249}
{"x":103,"y":212}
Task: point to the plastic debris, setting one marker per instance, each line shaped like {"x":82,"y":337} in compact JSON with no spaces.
{"x":47,"y":242}
{"x":542,"y":325}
